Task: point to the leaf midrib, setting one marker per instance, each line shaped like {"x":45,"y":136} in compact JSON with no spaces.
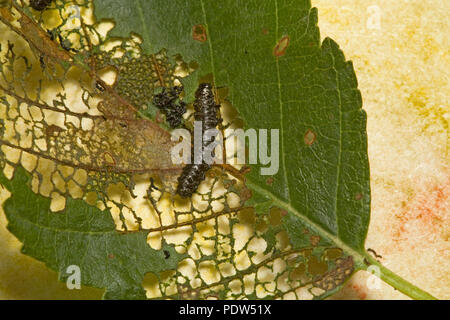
{"x":211,"y":51}
{"x":283,"y":153}
{"x":338,"y":173}
{"x":144,"y":25}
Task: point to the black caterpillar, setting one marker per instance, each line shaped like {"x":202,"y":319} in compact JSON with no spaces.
{"x":205,"y":111}
{"x":39,"y":5}
{"x":166,"y":101}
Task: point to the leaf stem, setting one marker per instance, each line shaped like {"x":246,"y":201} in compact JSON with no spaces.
{"x":398,"y":282}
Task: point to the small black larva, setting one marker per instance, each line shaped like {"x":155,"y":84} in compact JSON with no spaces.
{"x":205,"y":111}
{"x":190,"y":178}
{"x":65,"y":44}
{"x":166,"y":101}
{"x":39,"y":5}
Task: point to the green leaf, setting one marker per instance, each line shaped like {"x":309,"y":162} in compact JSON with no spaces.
{"x":309,"y":93}
{"x":84,"y":236}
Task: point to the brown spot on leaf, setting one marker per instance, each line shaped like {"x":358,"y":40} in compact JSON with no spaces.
{"x":309,"y":137}
{"x":111,"y":256}
{"x":265,"y":31}
{"x":158,"y":117}
{"x":283,"y":213}
{"x":359,"y":196}
{"x":199,"y":33}
{"x":269,"y":181}
{"x":246,"y":194}
{"x":314,"y":240}
{"x":280,"y":48}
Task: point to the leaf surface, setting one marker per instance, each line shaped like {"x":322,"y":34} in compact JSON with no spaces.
{"x":83,"y":236}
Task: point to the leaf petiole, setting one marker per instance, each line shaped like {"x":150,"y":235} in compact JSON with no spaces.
{"x":398,"y":282}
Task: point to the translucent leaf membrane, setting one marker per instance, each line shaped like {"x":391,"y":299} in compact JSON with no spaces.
{"x":76,"y":113}
{"x":75,"y":133}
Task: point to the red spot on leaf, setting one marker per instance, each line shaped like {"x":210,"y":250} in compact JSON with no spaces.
{"x":314,"y":240}
{"x":359,"y":196}
{"x":246,"y":194}
{"x":158,"y":117}
{"x":199,"y":33}
{"x":309,"y":137}
{"x":280,"y":48}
